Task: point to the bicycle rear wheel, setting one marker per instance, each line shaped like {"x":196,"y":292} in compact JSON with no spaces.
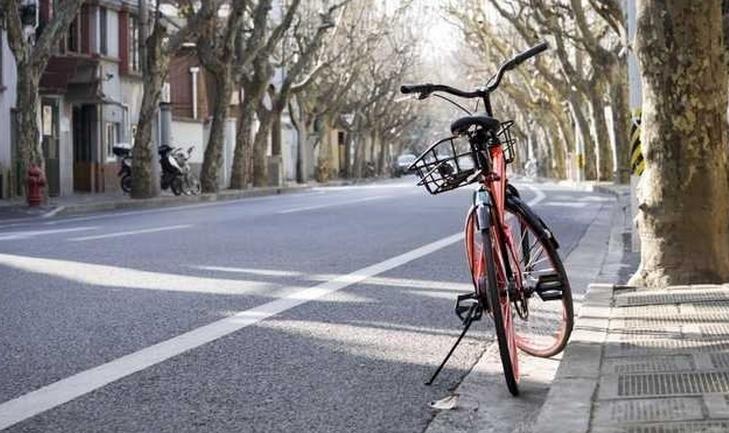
{"x":544,"y":319}
{"x":487,"y":271}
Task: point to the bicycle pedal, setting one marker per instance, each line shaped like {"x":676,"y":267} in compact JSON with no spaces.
{"x":550,"y":287}
{"x":464,"y":304}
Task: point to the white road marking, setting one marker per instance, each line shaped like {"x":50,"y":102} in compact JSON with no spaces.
{"x":263,"y":272}
{"x":127,"y":278}
{"x":5,"y":236}
{"x":570,"y":204}
{"x":131,"y":233}
{"x":596,"y":198}
{"x":65,"y":390}
{"x":322,"y":206}
{"x":54,"y":212}
{"x":375,"y":281}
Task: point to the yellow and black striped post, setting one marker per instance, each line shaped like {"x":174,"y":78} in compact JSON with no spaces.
{"x":637,"y":164}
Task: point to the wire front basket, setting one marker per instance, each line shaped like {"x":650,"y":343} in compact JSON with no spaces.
{"x":445,"y":165}
{"x":451,"y":162}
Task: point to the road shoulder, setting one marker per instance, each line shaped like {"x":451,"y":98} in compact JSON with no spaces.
{"x":484,"y":404}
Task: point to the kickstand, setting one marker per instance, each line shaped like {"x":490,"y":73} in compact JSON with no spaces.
{"x":471,"y":317}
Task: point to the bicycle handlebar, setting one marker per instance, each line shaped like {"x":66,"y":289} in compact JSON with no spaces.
{"x":426,"y":89}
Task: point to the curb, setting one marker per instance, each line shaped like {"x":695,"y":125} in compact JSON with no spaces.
{"x":568,"y":406}
{"x":126,"y":203}
{"x":161,"y":202}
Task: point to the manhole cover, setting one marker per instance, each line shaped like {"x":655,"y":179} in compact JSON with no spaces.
{"x":672,"y":383}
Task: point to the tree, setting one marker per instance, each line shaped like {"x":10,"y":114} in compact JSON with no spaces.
{"x":216,"y":50}
{"x":684,"y":191}
{"x":157,"y":48}
{"x":253,"y":74}
{"x":31,"y":60}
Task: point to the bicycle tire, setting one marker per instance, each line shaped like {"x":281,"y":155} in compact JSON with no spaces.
{"x":549,"y":323}
{"x":496,"y":297}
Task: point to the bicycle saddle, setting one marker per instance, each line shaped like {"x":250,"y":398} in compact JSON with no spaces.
{"x":461,"y":125}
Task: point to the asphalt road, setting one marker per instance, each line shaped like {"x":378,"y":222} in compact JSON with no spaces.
{"x":312,"y":312}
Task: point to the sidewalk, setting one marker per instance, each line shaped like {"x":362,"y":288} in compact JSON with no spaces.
{"x":644,"y":361}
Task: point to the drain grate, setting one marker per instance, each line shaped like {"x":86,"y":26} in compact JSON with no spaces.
{"x":683,"y":427}
{"x":720,"y":360}
{"x":647,"y":365}
{"x":665,"y":409}
{"x":657,"y":311}
{"x":714,"y":330}
{"x":671,"y":298}
{"x":650,"y":347}
{"x":672,"y":383}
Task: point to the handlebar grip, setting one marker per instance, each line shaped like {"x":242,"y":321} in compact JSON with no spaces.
{"x":531,"y":52}
{"x":419,"y":88}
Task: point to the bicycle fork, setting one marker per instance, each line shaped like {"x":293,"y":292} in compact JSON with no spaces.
{"x":468,"y":306}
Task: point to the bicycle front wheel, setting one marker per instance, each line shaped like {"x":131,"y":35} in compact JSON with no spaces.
{"x":489,"y":277}
{"x":544,"y":318}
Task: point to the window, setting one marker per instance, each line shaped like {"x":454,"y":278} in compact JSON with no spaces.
{"x":134,"y":60}
{"x":112,"y":138}
{"x":103,"y":38}
{"x":74,"y":36}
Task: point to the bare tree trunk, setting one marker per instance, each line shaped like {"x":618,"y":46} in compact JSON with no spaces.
{"x":241,"y":172}
{"x":143,"y":181}
{"x":621,"y":119}
{"x":684,"y":210}
{"x":298,"y":119}
{"x":604,"y":154}
{"x":589,"y":145}
{"x":214,"y":150}
{"x":26,"y":116}
{"x":260,"y":148}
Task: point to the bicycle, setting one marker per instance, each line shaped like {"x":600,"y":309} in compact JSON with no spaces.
{"x":517,"y":274}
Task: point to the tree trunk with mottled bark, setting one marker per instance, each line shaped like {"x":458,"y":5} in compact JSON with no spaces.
{"x":143,"y":156}
{"x":214,"y":150}
{"x":604,"y":153}
{"x":619,"y":100}
{"x":684,"y":192}
{"x":260,"y":148}
{"x":588,"y":157}
{"x":241,"y":173}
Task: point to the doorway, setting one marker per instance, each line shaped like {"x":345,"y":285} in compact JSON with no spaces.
{"x":84,"y":128}
{"x":50,"y":143}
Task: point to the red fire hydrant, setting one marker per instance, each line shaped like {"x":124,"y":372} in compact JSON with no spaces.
{"x":35,"y":183}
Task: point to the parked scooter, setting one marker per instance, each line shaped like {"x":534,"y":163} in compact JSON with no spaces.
{"x":176,"y":175}
{"x":176,"y":171}
{"x":124,"y":152}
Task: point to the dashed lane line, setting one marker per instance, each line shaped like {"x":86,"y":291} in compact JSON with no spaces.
{"x":131,"y":233}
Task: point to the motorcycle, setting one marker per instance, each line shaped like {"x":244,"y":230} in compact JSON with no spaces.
{"x":176,"y":171}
